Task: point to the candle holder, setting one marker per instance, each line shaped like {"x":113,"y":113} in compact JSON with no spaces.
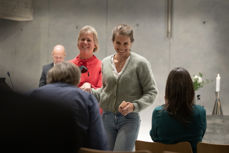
{"x":217,"y":110}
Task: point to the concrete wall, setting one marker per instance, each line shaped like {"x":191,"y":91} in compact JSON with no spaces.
{"x":199,"y":43}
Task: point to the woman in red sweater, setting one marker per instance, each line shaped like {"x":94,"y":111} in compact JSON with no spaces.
{"x":89,"y":64}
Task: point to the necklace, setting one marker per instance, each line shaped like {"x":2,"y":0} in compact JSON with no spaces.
{"x":119,"y":63}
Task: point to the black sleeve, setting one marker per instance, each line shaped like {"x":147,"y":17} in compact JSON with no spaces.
{"x":42,"y":78}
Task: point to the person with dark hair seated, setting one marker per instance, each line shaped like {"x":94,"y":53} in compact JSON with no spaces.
{"x":179,"y":119}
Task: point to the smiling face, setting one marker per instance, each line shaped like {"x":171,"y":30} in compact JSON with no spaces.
{"x":86,"y":45}
{"x":122,"y":45}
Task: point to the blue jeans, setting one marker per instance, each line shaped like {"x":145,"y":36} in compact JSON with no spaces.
{"x":122,"y":131}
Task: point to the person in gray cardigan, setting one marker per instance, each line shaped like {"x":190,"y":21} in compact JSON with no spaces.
{"x":128,"y":87}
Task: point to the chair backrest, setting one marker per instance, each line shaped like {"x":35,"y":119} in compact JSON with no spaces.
{"x":169,"y":152}
{"x":156,"y":147}
{"x":212,"y":148}
{"x":89,"y":150}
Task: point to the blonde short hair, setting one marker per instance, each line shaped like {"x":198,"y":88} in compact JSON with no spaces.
{"x":64,"y":72}
{"x":89,"y":29}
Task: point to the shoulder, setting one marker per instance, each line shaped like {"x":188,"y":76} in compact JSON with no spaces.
{"x":94,"y":60}
{"x":141,"y":64}
{"x":48,"y":65}
{"x":138,"y":57}
{"x":199,"y":110}
{"x":80,"y":95}
{"x":65,"y":92}
{"x":139,"y":60}
{"x":107,"y":59}
{"x":157,"y":110}
{"x":74,"y":91}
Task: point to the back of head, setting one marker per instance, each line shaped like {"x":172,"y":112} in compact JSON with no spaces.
{"x":179,"y":94}
{"x":64,"y":72}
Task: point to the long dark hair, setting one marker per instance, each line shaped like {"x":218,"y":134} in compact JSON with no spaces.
{"x":179,"y":94}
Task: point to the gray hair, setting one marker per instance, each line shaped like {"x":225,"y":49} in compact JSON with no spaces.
{"x":64,"y":72}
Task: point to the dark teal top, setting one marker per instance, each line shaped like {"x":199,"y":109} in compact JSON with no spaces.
{"x":166,"y":129}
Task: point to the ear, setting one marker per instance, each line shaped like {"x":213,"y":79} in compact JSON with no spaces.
{"x":95,"y":48}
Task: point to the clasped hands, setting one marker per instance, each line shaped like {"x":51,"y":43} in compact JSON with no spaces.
{"x":125,"y":108}
{"x":86,"y":87}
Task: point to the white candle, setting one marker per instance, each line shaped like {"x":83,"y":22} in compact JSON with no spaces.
{"x":218,"y":83}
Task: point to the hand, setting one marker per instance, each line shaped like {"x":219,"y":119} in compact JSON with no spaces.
{"x":125,"y":108}
{"x":86,"y":87}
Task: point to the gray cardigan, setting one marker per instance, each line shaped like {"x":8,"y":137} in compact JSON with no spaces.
{"x":136,"y":84}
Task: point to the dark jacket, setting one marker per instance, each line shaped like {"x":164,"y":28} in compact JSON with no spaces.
{"x":31,"y":125}
{"x":85,"y":108}
{"x":44,"y":73}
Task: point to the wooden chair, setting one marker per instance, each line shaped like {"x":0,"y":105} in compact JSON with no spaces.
{"x":155,"y":147}
{"x":212,"y":148}
{"x":89,"y":150}
{"x":169,"y":152}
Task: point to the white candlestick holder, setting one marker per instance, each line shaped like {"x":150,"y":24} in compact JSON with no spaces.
{"x":217,"y":110}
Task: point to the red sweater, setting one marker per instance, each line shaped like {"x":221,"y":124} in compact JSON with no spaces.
{"x":93,"y":75}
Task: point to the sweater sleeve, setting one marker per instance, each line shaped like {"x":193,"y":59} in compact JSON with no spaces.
{"x":99,"y":83}
{"x":147,"y":82}
{"x":96,"y":93}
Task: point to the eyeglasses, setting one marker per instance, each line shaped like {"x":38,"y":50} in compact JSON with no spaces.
{"x":83,"y":69}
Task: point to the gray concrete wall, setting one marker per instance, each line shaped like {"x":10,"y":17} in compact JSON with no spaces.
{"x":200,"y":40}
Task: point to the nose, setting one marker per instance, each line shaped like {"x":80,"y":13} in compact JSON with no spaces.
{"x":122,"y":47}
{"x":85,"y":41}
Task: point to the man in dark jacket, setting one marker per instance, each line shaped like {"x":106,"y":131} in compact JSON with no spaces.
{"x":55,"y":118}
{"x":62,"y":81}
{"x":31,"y":125}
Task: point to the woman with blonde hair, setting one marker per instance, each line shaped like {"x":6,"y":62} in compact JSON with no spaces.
{"x":89,"y":64}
